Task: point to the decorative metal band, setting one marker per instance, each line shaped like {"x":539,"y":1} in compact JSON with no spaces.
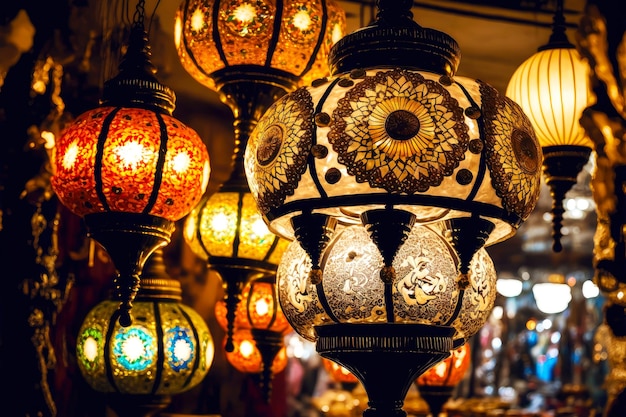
{"x":417,"y":47}
{"x":97,"y":169}
{"x":395,"y":343}
{"x":160,"y":360}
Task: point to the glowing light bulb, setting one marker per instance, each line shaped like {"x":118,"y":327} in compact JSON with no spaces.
{"x":90,"y":348}
{"x":262,"y":307}
{"x":197,"y":20}
{"x":181,"y":162}
{"x":302,"y":20}
{"x":131,"y":154}
{"x":246,"y":348}
{"x":245,"y":13}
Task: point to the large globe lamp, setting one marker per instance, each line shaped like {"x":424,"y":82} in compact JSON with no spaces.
{"x":129,"y":168}
{"x":394,"y":142}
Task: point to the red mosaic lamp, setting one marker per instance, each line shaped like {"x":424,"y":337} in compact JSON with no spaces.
{"x":436,"y":384}
{"x":129,"y":168}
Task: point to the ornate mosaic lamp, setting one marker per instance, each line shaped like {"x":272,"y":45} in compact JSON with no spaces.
{"x":553,"y":88}
{"x":167,"y":350}
{"x":259,"y":319}
{"x":251,"y":53}
{"x":409,"y":325}
{"x":129,"y":168}
{"x":436,"y":384}
{"x":392,"y":142}
{"x":392,"y":139}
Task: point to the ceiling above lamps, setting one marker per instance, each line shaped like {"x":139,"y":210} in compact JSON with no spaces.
{"x":391,"y":142}
{"x":129,"y":168}
{"x":552,"y":87}
{"x":251,"y":53}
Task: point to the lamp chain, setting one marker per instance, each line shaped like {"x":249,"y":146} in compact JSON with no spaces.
{"x":394,"y":12}
{"x":558,"y":38}
{"x":140,"y":13}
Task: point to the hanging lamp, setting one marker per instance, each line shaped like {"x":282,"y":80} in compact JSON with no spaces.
{"x":396,"y":139}
{"x":391,"y":142}
{"x":436,"y":384}
{"x":129,"y":168}
{"x":258,"y":315}
{"x":251,"y":53}
{"x":167,"y":350}
{"x":552,"y":87}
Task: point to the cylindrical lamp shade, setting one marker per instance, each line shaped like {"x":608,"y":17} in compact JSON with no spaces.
{"x":437,"y":147}
{"x":228,"y":224}
{"x":130,"y":160}
{"x":247,"y":358}
{"x":450,"y":371}
{"x":552,"y":87}
{"x":290,"y":37}
{"x":351,"y":291}
{"x":167,"y":350}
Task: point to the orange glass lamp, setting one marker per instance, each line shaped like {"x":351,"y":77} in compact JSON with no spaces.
{"x":129,"y":168}
{"x":259,"y":314}
{"x":436,"y":384}
{"x":251,"y":53}
{"x":167,"y":350}
{"x":552,"y":86}
{"x":247,"y":358}
{"x":340,"y":374}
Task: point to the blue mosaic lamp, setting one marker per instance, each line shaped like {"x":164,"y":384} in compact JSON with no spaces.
{"x":167,"y":349}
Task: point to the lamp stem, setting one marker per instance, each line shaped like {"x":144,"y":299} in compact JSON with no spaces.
{"x":558,"y":38}
{"x":129,"y":240}
{"x":395,"y":13}
{"x":269,"y":344}
{"x":435,"y":397}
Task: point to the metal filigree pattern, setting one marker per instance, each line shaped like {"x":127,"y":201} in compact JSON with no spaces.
{"x":513,"y":152}
{"x":297,"y":296}
{"x":398,"y":131}
{"x":281,"y":144}
{"x":479,"y":298}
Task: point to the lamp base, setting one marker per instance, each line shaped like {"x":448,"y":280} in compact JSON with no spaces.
{"x":385,"y":357}
{"x":129,"y":405}
{"x":129,"y":239}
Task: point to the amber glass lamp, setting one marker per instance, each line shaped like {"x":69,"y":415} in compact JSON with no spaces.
{"x":129,"y":168}
{"x":247,"y":358}
{"x":339,"y":373}
{"x":552,"y":86}
{"x":167,"y":350}
{"x":436,"y":384}
{"x":251,"y":53}
{"x":259,"y":319}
